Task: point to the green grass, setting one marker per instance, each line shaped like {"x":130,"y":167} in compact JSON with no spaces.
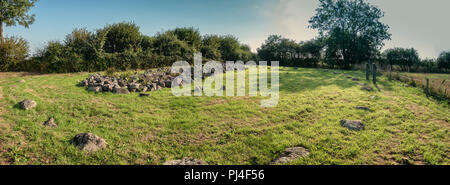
{"x":405,"y":126}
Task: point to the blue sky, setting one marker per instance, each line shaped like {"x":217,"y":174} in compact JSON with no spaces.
{"x":414,"y":23}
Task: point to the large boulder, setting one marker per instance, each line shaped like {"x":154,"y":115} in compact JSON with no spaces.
{"x":186,"y":161}
{"x":352,"y":124}
{"x":291,"y":154}
{"x":27,"y":104}
{"x":89,"y":142}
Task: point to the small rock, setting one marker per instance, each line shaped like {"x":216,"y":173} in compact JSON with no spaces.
{"x":363,"y":108}
{"x":336,"y":73}
{"x":355,"y":79}
{"x":186,"y":161}
{"x":21,"y":81}
{"x":89,"y":142}
{"x":50,"y":123}
{"x":373,"y":97}
{"x":144,"y":89}
{"x":367,"y":88}
{"x":27,"y":104}
{"x":291,"y":154}
{"x":352,"y":124}
{"x":95,"y":88}
{"x":121,"y":91}
{"x":362,"y":84}
{"x":83,"y":83}
{"x":143,"y":94}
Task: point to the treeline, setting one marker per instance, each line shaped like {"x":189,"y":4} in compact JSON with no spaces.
{"x":313,"y":53}
{"x":120,"y":46}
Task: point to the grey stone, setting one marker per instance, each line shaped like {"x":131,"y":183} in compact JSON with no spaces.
{"x":143,"y":94}
{"x":186,"y":161}
{"x":336,"y":73}
{"x":121,"y":91}
{"x":292,"y":154}
{"x":352,"y":124}
{"x":83,"y":83}
{"x":50,"y":123}
{"x":21,"y":81}
{"x":363,"y":108}
{"x":95,"y":88}
{"x":89,"y":142}
{"x":367,"y":88}
{"x":27,"y":104}
{"x":355,"y":79}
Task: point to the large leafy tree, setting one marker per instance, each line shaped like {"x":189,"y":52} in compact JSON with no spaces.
{"x":444,"y":60}
{"x":13,"y":12}
{"x":352,"y":29}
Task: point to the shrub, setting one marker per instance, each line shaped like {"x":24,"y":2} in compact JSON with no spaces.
{"x":13,"y":53}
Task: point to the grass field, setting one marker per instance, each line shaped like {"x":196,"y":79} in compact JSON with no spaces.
{"x":405,"y":126}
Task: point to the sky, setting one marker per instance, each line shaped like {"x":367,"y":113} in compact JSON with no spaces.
{"x":421,"y":24}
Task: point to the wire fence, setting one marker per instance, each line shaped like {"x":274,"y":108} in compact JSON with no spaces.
{"x":439,"y":87}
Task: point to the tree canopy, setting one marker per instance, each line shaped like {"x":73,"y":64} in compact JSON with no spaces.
{"x":352,"y":30}
{"x":13,"y":12}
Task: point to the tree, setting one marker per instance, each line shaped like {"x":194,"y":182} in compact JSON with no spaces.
{"x":13,"y":12}
{"x":444,"y":60}
{"x":210,"y":47}
{"x":121,"y":36}
{"x":189,"y":35}
{"x":403,"y":57}
{"x":352,"y":29}
{"x":229,"y":48}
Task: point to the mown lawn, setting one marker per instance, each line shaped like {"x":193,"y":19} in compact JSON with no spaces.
{"x":405,"y":127}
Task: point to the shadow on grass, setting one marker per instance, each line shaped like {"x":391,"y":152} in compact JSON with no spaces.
{"x":295,"y":80}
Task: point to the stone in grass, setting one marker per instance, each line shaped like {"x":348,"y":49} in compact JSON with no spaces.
{"x":186,"y":161}
{"x":121,"y":91}
{"x":362,"y":84}
{"x":352,"y":124}
{"x":143,"y":94}
{"x":336,"y":73}
{"x":50,"y":123}
{"x":89,"y":142}
{"x":373,"y":97}
{"x":355,"y":79}
{"x":21,"y":81}
{"x":291,"y":154}
{"x":27,"y":104}
{"x":367,"y":88}
{"x":95,"y":88}
{"x":363,"y":108}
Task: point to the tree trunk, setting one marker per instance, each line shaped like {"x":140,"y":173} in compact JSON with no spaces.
{"x":1,"y":31}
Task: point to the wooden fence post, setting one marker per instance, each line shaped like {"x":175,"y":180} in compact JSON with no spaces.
{"x":390,"y":72}
{"x":428,"y":86}
{"x":367,"y":71}
{"x":374,"y":70}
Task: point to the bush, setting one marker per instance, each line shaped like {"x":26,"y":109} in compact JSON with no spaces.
{"x":13,"y":53}
{"x":403,"y":57}
{"x":443,"y":60}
